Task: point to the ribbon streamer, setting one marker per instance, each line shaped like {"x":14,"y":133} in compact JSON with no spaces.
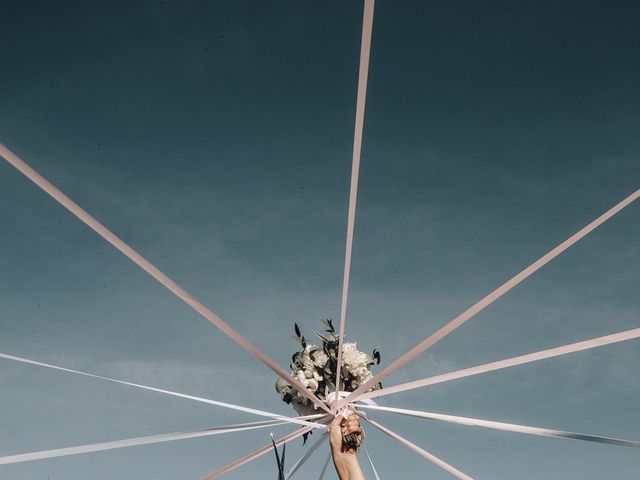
{"x":262,"y":413}
{"x":373,"y":467}
{"x":332,"y":396}
{"x":489,"y":299}
{"x":310,"y":451}
{"x":147,"y":266}
{"x":509,"y":427}
{"x":421,"y":451}
{"x":509,"y":362}
{"x":257,"y":453}
{"x":324,"y":467}
{"x":133,"y":442}
{"x":365,"y":53}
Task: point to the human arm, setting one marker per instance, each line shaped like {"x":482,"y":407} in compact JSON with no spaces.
{"x":345,"y":458}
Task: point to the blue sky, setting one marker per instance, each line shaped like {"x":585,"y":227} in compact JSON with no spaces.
{"x":215,"y":138}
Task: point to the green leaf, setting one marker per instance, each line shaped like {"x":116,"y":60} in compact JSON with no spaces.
{"x":322,"y":337}
{"x":331,"y":327}
{"x":376,"y":356}
{"x":280,"y":466}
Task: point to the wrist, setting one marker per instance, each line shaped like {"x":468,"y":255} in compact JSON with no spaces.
{"x":347,"y":465}
{"x":344,"y":458}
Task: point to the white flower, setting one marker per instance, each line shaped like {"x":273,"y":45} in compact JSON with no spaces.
{"x":282,"y":387}
{"x":358,"y":371}
{"x":320,"y":358}
{"x":356,"y":363}
{"x":365,"y":377}
{"x":352,"y":358}
{"x":308,"y":366}
{"x":312,"y":384}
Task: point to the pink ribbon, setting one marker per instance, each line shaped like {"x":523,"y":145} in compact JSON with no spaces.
{"x":365,"y":53}
{"x":509,"y":362}
{"x":256,"y":453}
{"x":262,"y":413}
{"x":421,"y":451}
{"x":143,"y":263}
{"x":489,"y":299}
{"x":508,"y":427}
{"x":310,"y":451}
{"x":133,"y":442}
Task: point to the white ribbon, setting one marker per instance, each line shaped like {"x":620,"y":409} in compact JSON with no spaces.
{"x":332,"y":397}
{"x":262,"y":413}
{"x":133,"y":442}
{"x":257,"y":453}
{"x":152,"y":270}
{"x":509,"y":427}
{"x":306,"y":456}
{"x":365,"y":51}
{"x":489,"y":299}
{"x":421,"y":451}
{"x":373,"y":467}
{"x":324,"y":467}
{"x":509,"y":362}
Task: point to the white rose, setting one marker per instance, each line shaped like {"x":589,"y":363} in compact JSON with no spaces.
{"x":320,"y":358}
{"x":312,"y":384}
{"x":309,"y":366}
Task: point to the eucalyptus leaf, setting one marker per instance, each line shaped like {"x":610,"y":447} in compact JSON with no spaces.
{"x":322,"y":337}
{"x":279,"y":463}
{"x":376,"y":356}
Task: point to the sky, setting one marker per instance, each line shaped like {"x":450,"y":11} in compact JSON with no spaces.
{"x":215,"y":138}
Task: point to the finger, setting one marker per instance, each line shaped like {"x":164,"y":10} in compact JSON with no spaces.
{"x":353,"y":424}
{"x":353,"y":429}
{"x":337,"y":422}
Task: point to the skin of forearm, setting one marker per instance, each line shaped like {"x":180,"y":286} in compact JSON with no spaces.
{"x":347,"y":466}
{"x":345,"y":459}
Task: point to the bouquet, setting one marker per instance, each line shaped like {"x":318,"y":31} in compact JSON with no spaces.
{"x":315,"y":367}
